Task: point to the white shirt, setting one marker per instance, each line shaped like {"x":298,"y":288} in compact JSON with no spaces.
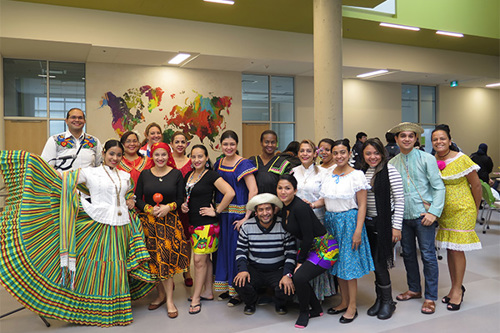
{"x":104,"y":208}
{"x":309,"y":184}
{"x":339,"y":192}
{"x":65,"y":144}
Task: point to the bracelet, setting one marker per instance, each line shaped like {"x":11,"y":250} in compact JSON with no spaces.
{"x":173,"y":206}
{"x":148,"y":209}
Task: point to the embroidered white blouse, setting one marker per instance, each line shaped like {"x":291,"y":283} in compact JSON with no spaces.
{"x":104,"y":208}
{"x":339,"y":192}
{"x":308,"y":185}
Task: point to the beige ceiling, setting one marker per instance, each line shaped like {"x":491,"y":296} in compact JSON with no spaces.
{"x":283,"y":15}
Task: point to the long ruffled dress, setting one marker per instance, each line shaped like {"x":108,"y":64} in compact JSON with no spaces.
{"x":339,"y":193}
{"x":35,"y":239}
{"x":458,"y":219}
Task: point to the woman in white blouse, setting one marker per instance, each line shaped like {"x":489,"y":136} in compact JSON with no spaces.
{"x":384,"y":218}
{"x":309,"y":177}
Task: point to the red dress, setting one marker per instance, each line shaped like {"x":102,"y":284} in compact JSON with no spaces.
{"x":135,"y":167}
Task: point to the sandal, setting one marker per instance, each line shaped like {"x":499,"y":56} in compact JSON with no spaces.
{"x":191,"y":307}
{"x":429,"y":307}
{"x":408,"y":295}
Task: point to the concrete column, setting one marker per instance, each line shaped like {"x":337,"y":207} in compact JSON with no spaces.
{"x":328,"y":121}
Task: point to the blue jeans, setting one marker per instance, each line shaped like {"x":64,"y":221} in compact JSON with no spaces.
{"x":425,"y":236}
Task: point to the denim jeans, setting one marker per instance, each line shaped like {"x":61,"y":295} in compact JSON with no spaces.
{"x":413,"y":231}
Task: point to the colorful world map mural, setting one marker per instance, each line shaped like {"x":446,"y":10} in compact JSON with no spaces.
{"x":202,"y":117}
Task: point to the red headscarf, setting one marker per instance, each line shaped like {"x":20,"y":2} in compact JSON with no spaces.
{"x":170,"y":160}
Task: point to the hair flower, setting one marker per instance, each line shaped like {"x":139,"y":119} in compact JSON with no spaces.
{"x":441,"y":165}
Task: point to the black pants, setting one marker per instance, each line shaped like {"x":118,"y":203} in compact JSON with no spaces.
{"x":260,"y":279}
{"x":382,"y":277}
{"x":303,"y":289}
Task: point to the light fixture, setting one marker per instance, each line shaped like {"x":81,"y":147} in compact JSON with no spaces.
{"x":225,"y":2}
{"x":379,"y":72}
{"x":493,"y":85}
{"x":45,"y":76}
{"x":398,"y":26}
{"x":448,"y":33}
{"x":180,"y":57}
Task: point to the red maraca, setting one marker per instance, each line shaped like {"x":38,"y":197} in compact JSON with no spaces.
{"x":157,"y":197}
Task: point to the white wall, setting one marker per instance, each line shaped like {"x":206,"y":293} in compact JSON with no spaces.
{"x":473,"y":115}
{"x":304,"y":108}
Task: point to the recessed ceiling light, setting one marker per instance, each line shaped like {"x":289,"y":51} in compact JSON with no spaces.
{"x":493,"y":85}
{"x":448,"y":33}
{"x":379,"y":72}
{"x":180,"y":57}
{"x":225,"y":2}
{"x":398,"y":26}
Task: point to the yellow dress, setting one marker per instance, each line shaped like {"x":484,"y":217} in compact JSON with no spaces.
{"x":457,"y":222}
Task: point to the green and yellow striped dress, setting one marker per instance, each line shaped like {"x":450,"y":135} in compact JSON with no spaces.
{"x":111,"y":261}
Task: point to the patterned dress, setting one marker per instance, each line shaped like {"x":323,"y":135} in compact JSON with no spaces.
{"x":165,"y":238}
{"x":97,"y":290}
{"x":135,"y":167}
{"x":185,"y":217}
{"x":457,"y":222}
{"x":341,"y":215}
{"x":225,"y":268}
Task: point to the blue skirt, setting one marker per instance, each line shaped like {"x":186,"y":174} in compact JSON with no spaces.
{"x":351,"y":264}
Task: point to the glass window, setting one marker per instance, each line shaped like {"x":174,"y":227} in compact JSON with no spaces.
{"x":409,"y":103}
{"x":427,"y":105}
{"x":270,"y":100}
{"x":286,"y":134}
{"x":25,"y":88}
{"x":67,"y":88}
{"x":282,"y":98}
{"x":255,"y":97}
{"x":32,"y":86}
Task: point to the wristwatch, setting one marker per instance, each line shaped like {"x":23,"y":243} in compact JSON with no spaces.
{"x":289,"y":275}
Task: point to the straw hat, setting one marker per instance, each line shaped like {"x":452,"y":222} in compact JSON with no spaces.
{"x":406,"y":126}
{"x":263,"y":198}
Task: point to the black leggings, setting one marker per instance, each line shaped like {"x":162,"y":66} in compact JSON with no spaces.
{"x":382,"y":277}
{"x":303,"y":289}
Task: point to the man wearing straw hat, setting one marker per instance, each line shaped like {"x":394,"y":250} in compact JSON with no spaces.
{"x":265,"y":255}
{"x":424,"y":201}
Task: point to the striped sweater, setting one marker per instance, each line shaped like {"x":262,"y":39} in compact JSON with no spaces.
{"x":265,"y":249}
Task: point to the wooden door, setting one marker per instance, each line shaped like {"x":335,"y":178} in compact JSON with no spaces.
{"x":251,"y":139}
{"x":26,"y":135}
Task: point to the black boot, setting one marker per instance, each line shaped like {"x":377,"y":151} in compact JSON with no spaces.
{"x":387,"y":306}
{"x":374,"y":309}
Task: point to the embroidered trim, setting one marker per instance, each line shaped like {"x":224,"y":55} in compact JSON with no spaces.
{"x":464,"y":173}
{"x":458,"y":247}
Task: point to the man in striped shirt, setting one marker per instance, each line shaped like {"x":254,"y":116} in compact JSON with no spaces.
{"x":265,"y":255}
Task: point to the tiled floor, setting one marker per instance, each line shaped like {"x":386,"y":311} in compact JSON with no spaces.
{"x":480,"y":311}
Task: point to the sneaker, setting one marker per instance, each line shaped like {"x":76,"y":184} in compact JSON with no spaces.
{"x":249,"y":309}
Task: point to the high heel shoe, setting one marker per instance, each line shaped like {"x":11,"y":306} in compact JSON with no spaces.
{"x":456,"y":307}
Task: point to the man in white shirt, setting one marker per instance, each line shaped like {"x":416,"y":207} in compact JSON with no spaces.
{"x":73,"y":149}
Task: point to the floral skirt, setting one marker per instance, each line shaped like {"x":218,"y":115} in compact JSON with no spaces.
{"x":205,"y":238}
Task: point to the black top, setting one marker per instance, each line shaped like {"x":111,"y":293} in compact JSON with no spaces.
{"x":486,"y":165}
{"x":171,"y":187}
{"x":267,"y":176}
{"x":300,"y":220}
{"x":202,"y":195}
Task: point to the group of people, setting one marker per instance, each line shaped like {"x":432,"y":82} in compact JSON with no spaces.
{"x":297,"y":227}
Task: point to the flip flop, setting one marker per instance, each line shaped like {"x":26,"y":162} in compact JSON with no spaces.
{"x":191,"y":307}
